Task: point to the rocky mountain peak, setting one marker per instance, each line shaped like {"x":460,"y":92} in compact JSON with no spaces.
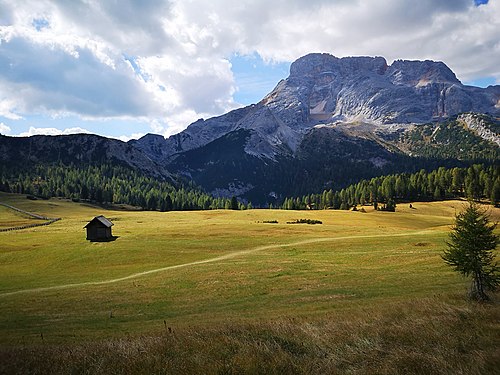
{"x":152,"y":138}
{"x":400,"y":72}
{"x":324,"y":90}
{"x":420,"y":73}
{"x":323,"y":63}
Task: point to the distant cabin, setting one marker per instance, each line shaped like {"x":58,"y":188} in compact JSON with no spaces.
{"x":99,"y":229}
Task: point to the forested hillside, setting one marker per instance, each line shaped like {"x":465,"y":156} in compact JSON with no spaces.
{"x":455,"y":139}
{"x":476,"y":182}
{"x":120,"y":185}
{"x":106,"y":183}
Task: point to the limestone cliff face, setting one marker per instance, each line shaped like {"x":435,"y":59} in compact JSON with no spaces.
{"x":367,"y":89}
{"x":323,"y":90}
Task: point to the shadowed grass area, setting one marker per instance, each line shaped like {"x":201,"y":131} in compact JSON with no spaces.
{"x":360,"y":293}
{"x":422,"y":336}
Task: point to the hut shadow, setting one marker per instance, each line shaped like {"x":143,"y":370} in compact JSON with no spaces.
{"x":110,"y":239}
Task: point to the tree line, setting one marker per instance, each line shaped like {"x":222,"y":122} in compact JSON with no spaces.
{"x":475,"y":182}
{"x":108,"y":183}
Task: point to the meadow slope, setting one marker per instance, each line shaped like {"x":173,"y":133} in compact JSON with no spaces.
{"x":230,"y":279}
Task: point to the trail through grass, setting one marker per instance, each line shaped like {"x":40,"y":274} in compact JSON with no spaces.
{"x":205,"y":261}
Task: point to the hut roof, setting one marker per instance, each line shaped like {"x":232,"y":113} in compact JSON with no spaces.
{"x":106,"y":222}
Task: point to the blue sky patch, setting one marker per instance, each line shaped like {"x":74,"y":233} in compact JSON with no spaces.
{"x":136,"y":67}
{"x":481,"y":82}
{"x":40,"y":23}
{"x":256,"y":78}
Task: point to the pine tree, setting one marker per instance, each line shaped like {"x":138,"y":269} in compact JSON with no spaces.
{"x":84,"y":192}
{"x":152,"y":203}
{"x":470,"y":250}
{"x":234,"y":203}
{"x":495,"y":193}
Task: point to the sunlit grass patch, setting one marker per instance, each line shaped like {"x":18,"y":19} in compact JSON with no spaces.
{"x":271,"y":298}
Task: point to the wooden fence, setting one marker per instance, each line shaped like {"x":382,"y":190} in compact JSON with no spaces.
{"x":48,"y":221}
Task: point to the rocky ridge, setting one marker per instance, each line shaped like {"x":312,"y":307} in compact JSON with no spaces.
{"x":78,"y":149}
{"x":325,"y":90}
{"x":479,"y":125}
{"x":332,"y":122}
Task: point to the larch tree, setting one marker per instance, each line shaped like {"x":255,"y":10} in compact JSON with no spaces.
{"x":470,"y":251}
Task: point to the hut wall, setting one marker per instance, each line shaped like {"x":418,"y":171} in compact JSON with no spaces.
{"x":95,"y":232}
{"x":91,"y":233}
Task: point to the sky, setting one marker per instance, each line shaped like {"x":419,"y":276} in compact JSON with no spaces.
{"x":126,"y":68}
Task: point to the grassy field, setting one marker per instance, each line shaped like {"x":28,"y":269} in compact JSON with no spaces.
{"x":224,"y":292}
{"x":10,"y":218}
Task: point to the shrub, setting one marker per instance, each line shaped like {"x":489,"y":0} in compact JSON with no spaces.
{"x":305,"y":221}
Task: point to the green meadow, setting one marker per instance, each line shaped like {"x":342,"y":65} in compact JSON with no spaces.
{"x":225,"y":292}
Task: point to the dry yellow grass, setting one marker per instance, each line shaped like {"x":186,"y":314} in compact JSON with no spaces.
{"x":265,"y":297}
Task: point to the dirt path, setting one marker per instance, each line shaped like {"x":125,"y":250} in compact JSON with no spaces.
{"x":210,"y":260}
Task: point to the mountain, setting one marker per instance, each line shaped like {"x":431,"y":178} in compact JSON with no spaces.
{"x":75,"y":149}
{"x":332,"y":122}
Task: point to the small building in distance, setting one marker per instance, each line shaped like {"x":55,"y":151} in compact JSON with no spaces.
{"x":99,"y":229}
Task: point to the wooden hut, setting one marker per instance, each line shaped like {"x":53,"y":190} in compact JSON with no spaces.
{"x":99,"y":229}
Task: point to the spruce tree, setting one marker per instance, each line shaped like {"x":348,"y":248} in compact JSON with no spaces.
{"x":234,"y":203}
{"x":471,"y":250}
{"x":495,"y":193}
{"x":169,"y":206}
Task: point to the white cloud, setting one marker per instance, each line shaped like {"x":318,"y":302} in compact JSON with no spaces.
{"x":126,"y":138}
{"x":99,"y":61}
{"x":167,"y":61}
{"x":40,"y":80}
{"x":52,"y":131}
{"x":8,"y":107}
{"x":202,"y":84}
{"x":4,"y":129}
{"x":456,"y":32}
